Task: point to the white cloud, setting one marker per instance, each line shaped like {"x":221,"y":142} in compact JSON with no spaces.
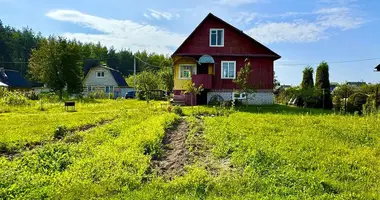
{"x":302,"y":30}
{"x":160,"y":15}
{"x":338,"y":18}
{"x":298,"y":31}
{"x":246,"y":17}
{"x":237,"y":2}
{"x":120,"y":33}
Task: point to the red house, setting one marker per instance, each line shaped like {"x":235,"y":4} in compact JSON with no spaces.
{"x":212,"y":56}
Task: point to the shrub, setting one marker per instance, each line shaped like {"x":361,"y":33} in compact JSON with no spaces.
{"x":14,"y":99}
{"x":337,"y":103}
{"x":178,"y":110}
{"x":50,"y":97}
{"x":356,"y":102}
{"x":33,"y":96}
{"x":3,"y":92}
{"x":98,"y":95}
{"x":370,"y":107}
{"x":60,"y":132}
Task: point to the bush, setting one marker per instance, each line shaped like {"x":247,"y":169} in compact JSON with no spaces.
{"x":356,"y":102}
{"x":98,"y":95}
{"x":3,"y":92}
{"x":50,"y":97}
{"x":337,"y":103}
{"x":60,"y":132}
{"x":371,"y":106}
{"x":32,"y":96}
{"x":14,"y":98}
{"x":178,"y":110}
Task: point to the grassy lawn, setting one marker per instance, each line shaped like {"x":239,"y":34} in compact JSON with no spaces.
{"x":263,"y":152}
{"x":273,"y":109}
{"x":28,"y":125}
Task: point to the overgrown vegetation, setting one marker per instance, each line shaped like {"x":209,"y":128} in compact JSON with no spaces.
{"x":264,"y":152}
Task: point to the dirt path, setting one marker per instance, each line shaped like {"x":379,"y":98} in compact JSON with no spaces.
{"x":175,"y":153}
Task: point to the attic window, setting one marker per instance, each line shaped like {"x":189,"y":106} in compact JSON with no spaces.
{"x":216,"y":37}
{"x":100,"y":74}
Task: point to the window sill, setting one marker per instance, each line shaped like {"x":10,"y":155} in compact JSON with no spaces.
{"x":216,"y":45}
{"x":229,"y":78}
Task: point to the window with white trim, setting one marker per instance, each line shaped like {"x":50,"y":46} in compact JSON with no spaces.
{"x":239,"y":96}
{"x":216,"y":37}
{"x":228,"y":69}
{"x":186,"y":71}
{"x":100,"y":74}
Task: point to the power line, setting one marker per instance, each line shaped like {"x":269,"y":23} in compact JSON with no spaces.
{"x":332,"y":62}
{"x":286,"y":64}
{"x":146,"y":62}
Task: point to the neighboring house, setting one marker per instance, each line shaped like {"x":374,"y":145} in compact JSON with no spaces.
{"x":13,"y":79}
{"x":333,"y":85}
{"x":39,"y":88}
{"x":212,"y":56}
{"x":103,"y":78}
{"x":377,"y":68}
{"x":356,"y":84}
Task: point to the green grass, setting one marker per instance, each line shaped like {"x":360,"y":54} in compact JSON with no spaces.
{"x":274,"y":152}
{"x":27,"y":125}
{"x":274,"y":109}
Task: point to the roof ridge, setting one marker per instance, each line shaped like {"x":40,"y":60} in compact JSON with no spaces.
{"x":231,"y":26}
{"x":105,"y":66}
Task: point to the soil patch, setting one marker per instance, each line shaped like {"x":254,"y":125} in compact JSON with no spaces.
{"x":174,"y":158}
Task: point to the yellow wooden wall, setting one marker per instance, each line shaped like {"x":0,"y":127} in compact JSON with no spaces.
{"x":178,"y":83}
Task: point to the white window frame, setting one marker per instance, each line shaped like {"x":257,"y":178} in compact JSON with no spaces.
{"x":97,"y":74}
{"x":221,"y":69}
{"x":242,"y":96}
{"x":217,"y":29}
{"x":183,"y":65}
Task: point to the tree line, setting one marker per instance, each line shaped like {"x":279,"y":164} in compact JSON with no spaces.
{"x":61,"y":63}
{"x":345,"y":98}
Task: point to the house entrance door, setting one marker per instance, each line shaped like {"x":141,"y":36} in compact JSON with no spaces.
{"x":202,"y":69}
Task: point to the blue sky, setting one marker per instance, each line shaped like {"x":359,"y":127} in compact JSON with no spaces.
{"x":302,"y":32}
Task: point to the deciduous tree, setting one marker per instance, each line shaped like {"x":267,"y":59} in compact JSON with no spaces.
{"x":57,"y":63}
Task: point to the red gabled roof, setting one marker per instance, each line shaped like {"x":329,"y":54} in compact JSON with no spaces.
{"x":210,"y":15}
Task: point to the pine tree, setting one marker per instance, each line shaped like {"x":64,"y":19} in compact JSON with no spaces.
{"x":322,"y":83}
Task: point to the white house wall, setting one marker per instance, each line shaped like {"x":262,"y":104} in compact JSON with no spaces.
{"x":92,"y":79}
{"x":258,"y":98}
